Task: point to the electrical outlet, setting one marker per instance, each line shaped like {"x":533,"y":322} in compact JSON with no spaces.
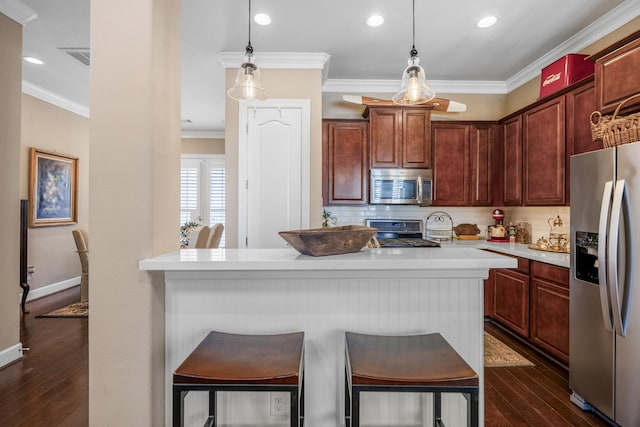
{"x":279,"y":403}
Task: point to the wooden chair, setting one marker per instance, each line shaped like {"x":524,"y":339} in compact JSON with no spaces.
{"x":199,"y":237}
{"x":408,"y":363}
{"x":215,"y":235}
{"x":235,"y":362}
{"x":81,"y":237}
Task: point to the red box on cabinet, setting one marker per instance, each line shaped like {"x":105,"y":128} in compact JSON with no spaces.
{"x":563,"y":72}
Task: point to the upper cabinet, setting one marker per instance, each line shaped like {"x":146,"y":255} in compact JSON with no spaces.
{"x":345,"y":162}
{"x":543,"y":148}
{"x":512,"y":161}
{"x":400,"y":137}
{"x":463,"y":163}
{"x":617,"y":76}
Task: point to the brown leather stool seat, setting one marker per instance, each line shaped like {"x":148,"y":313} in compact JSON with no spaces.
{"x":235,"y":362}
{"x":408,"y":363}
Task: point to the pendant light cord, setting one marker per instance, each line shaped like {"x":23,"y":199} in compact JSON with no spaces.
{"x":249,"y":48}
{"x":413,"y":52}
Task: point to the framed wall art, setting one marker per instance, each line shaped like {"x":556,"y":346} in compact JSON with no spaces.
{"x":53,"y":188}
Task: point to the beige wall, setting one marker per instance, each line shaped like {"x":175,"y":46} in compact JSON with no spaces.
{"x":281,"y":84}
{"x":134,"y":205}
{"x":10,"y":87}
{"x":479,"y":107}
{"x":47,"y":127}
{"x":202,"y":146}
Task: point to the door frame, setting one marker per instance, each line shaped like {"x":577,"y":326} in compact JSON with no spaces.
{"x":244,"y":109}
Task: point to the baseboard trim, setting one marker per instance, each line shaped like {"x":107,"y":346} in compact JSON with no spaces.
{"x":52,"y":288}
{"x":10,"y":355}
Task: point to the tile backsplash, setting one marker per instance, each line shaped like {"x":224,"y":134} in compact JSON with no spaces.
{"x":536,"y":216}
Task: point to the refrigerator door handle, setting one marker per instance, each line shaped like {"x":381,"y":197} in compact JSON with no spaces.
{"x":619,"y":310}
{"x":605,"y":304}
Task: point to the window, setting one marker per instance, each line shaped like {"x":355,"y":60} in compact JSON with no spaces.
{"x":202,"y":190}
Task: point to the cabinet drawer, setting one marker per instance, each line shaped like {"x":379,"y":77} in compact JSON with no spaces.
{"x":560,"y":275}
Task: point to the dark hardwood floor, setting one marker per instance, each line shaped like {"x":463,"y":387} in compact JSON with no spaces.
{"x":530,"y":396}
{"x":49,"y":386}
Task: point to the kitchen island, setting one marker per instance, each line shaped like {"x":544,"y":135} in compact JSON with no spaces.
{"x":384,"y":291}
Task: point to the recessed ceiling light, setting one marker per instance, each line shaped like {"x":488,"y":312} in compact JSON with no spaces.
{"x":32,"y":60}
{"x":262,"y":19}
{"x":487,"y":22}
{"x":375,"y":21}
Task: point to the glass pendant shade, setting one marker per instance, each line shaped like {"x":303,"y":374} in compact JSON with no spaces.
{"x":414,"y":89}
{"x":248,"y":84}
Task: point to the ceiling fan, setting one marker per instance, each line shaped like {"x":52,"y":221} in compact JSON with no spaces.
{"x":438,"y":104}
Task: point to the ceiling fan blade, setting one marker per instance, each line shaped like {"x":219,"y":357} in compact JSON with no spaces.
{"x":438,"y":104}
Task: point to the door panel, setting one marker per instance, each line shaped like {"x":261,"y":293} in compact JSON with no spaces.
{"x":628,"y":347}
{"x":591,"y":361}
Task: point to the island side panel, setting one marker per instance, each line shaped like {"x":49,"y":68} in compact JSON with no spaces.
{"x":323,"y":309}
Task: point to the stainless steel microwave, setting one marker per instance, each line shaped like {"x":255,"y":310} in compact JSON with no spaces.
{"x":401,"y":187}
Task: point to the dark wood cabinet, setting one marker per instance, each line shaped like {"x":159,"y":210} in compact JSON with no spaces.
{"x":549,"y":309}
{"x":400,"y":137}
{"x":511,"y":300}
{"x":481,"y":156}
{"x":463,"y":170}
{"x":580,"y":103}
{"x":512,"y":161}
{"x":617,"y":77}
{"x":544,"y":155}
{"x":451,"y":176}
{"x":345,"y":170}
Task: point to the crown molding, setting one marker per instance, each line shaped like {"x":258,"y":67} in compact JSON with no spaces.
{"x":611,"y":21}
{"x":202,"y":134}
{"x":277,"y":60}
{"x":18,"y":11}
{"x":52,"y":98}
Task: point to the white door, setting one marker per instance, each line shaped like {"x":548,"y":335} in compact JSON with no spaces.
{"x":273,"y":172}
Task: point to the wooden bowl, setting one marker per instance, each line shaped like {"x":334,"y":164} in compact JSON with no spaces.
{"x":329,"y":241}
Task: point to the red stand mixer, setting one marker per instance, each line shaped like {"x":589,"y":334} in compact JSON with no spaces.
{"x":497,"y":232}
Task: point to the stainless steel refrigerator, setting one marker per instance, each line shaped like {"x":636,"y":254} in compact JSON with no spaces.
{"x":604,"y":364}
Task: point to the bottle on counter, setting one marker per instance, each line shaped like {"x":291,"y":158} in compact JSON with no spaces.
{"x":511,"y":231}
{"x":523,"y":232}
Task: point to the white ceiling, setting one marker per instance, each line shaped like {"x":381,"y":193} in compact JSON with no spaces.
{"x":529,"y":35}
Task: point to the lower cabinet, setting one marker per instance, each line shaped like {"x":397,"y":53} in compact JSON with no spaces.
{"x":511,"y":298}
{"x":533,"y":302}
{"x":549,"y":309}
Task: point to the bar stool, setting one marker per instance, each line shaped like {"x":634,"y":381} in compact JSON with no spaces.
{"x":235,"y":362}
{"x":410,"y":363}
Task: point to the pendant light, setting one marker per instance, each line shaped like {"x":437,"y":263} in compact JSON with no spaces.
{"x":248,"y":84}
{"x":414,"y":89}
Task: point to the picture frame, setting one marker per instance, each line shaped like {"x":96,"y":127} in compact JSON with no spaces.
{"x":53,"y":188}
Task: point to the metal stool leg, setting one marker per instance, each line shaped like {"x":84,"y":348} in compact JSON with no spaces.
{"x":294,"y":404}
{"x":347,"y":402}
{"x":178,"y":406}
{"x":355,"y":408}
{"x":437,"y":409}
{"x":474,"y":410}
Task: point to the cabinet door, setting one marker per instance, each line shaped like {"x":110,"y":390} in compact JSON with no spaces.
{"x":481,"y":159}
{"x":550,"y":317}
{"x":544,"y":155}
{"x":450,"y":164}
{"x":511,"y":301}
{"x":416,"y":139}
{"x":345,"y":163}
{"x":386,"y":137}
{"x":581,"y":102}
{"x":617,"y":77}
{"x":512,"y":161}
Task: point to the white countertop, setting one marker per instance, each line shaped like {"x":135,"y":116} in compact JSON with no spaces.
{"x":517,"y":249}
{"x":449,"y":257}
